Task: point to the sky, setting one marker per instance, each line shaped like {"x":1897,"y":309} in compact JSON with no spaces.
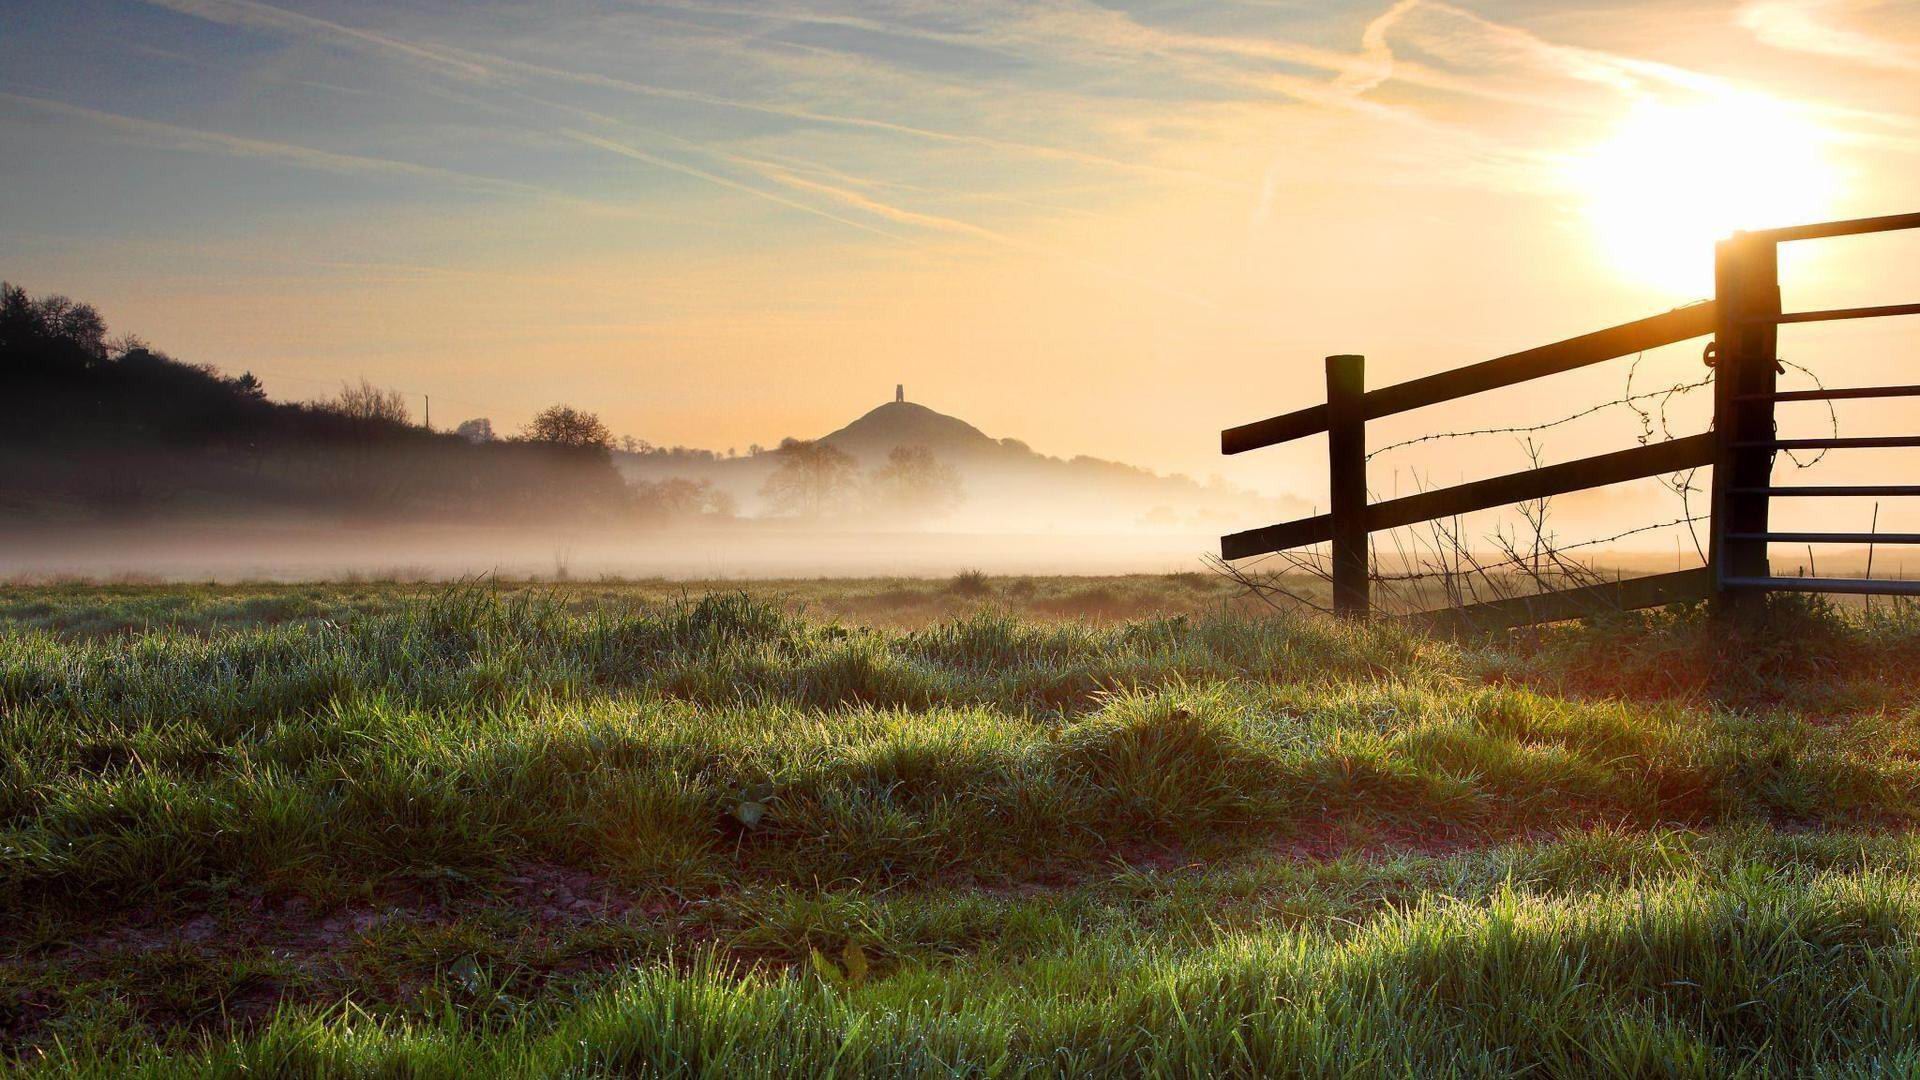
{"x":1109,"y":229}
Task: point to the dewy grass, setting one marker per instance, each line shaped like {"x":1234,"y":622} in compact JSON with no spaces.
{"x":1752,"y":976}
{"x":511,"y":831}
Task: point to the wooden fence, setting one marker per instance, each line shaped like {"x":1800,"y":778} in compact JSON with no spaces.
{"x":1743,"y":318}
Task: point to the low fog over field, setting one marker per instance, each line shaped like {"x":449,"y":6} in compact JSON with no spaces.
{"x":185,"y":552}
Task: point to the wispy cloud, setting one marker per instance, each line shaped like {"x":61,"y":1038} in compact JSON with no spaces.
{"x":792,"y":177}
{"x":160,"y":135}
{"x":945,"y":224}
{"x":1808,"y":26}
{"x":1503,"y":51}
{"x":250,"y":13}
{"x":1377,"y":59}
{"x":1495,"y":47}
{"x":625,"y":150}
{"x":1070,"y":31}
{"x":156,"y":133}
{"x":866,"y":123}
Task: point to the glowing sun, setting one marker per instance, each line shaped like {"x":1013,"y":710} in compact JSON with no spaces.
{"x":1673,"y":178}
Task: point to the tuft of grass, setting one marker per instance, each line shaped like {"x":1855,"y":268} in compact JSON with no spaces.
{"x":970,"y":583}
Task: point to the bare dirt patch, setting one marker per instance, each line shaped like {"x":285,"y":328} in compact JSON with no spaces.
{"x":230,"y":966}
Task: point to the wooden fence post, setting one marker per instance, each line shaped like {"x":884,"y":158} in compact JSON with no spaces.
{"x":1747,"y":298}
{"x":1347,"y":476}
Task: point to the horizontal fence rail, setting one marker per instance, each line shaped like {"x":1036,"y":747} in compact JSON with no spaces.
{"x":1587,"y":600}
{"x":1878,"y":491}
{"x":1744,"y":317}
{"x":1839,"y":393}
{"x":1828,"y":229}
{"x":1834,"y":314}
{"x":1614,"y":468}
{"x":1609,"y":344}
{"x":1860,"y":442}
{"x":1828,"y":537}
{"x":1845,"y":586}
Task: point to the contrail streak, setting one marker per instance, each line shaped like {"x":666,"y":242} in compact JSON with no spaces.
{"x":173,"y":136}
{"x":656,"y":160}
{"x":484,"y":66}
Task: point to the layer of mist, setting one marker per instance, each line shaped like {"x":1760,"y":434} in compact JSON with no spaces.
{"x":310,"y":552}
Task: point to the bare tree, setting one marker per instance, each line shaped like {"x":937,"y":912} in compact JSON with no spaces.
{"x":369,"y":403}
{"x":813,"y":477}
{"x":914,"y":483}
{"x":54,"y":316}
{"x":681,"y":498}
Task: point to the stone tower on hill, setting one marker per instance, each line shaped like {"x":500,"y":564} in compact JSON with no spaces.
{"x":902,"y":423}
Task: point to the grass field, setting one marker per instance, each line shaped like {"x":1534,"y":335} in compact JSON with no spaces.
{"x":980,"y":826}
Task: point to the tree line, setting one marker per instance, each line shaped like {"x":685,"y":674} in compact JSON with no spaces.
{"x":96,"y":424}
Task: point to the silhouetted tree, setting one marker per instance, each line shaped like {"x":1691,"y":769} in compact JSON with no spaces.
{"x":476,"y":431}
{"x":914,"y":483}
{"x":813,"y":477}
{"x":54,"y":319}
{"x":370,"y":404}
{"x":564,"y":425}
{"x":681,"y":498}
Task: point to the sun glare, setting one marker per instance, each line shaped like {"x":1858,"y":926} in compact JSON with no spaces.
{"x":1672,"y":179}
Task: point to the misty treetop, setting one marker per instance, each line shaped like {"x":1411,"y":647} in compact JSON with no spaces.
{"x":914,"y":483}
{"x":813,"y":479}
{"x":816,"y":479}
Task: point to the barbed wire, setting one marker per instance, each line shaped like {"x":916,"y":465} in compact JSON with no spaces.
{"x":1528,"y":429}
{"x":1451,"y":561}
{"x":1833,"y":418}
{"x":1314,"y":551}
{"x":1621,"y":535}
